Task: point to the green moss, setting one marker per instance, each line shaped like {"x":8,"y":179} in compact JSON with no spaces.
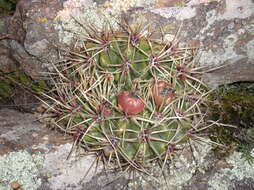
{"x":234,"y":105}
{"x":11,"y":80}
{"x":7,"y":6}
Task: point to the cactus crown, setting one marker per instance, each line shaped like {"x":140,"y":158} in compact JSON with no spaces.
{"x":128,"y":96}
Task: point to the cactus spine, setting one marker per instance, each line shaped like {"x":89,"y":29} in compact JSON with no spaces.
{"x":127,"y":96}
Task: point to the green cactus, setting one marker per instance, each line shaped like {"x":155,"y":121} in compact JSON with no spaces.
{"x":127,"y":96}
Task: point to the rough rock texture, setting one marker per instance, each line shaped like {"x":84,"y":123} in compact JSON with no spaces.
{"x":28,"y":39}
{"x":223,"y":28}
{"x":29,"y":36}
{"x":225,"y":32}
{"x":5,"y":54}
{"x":35,"y":156}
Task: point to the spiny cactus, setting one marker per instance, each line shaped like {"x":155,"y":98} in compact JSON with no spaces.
{"x":128,"y":96}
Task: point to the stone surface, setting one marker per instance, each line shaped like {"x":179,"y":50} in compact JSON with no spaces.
{"x":18,"y":132}
{"x":224,"y":29}
{"x":6,"y":61}
{"x":225,"y":32}
{"x":35,"y":156}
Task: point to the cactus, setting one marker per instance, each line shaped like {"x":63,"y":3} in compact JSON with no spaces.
{"x":128,"y":96}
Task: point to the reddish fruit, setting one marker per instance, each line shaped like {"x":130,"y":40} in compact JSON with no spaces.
{"x":163,"y":93}
{"x":129,"y":103}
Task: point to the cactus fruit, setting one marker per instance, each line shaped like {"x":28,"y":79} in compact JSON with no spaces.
{"x":128,"y":96}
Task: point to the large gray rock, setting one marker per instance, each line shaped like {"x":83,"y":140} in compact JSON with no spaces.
{"x":223,"y":28}
{"x":6,"y":61}
{"x":31,"y":38}
{"x":35,"y":156}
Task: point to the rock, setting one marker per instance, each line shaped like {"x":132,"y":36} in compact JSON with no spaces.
{"x":225,"y":32}
{"x":224,"y":29}
{"x":30,"y":30}
{"x":6,"y":61}
{"x":35,"y":156}
{"x":239,"y":71}
{"x":227,"y":178}
{"x":15,"y":185}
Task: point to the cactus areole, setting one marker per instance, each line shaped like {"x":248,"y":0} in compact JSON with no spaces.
{"x":130,"y":104}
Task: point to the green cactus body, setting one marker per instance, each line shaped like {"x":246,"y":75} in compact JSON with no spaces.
{"x":109,"y":64}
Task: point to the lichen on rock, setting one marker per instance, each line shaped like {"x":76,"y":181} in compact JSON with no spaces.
{"x":224,"y":177}
{"x":84,"y":12}
{"x":21,"y":167}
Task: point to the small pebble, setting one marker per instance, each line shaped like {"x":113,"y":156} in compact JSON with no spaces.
{"x":34,"y":134}
{"x":15,"y":185}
